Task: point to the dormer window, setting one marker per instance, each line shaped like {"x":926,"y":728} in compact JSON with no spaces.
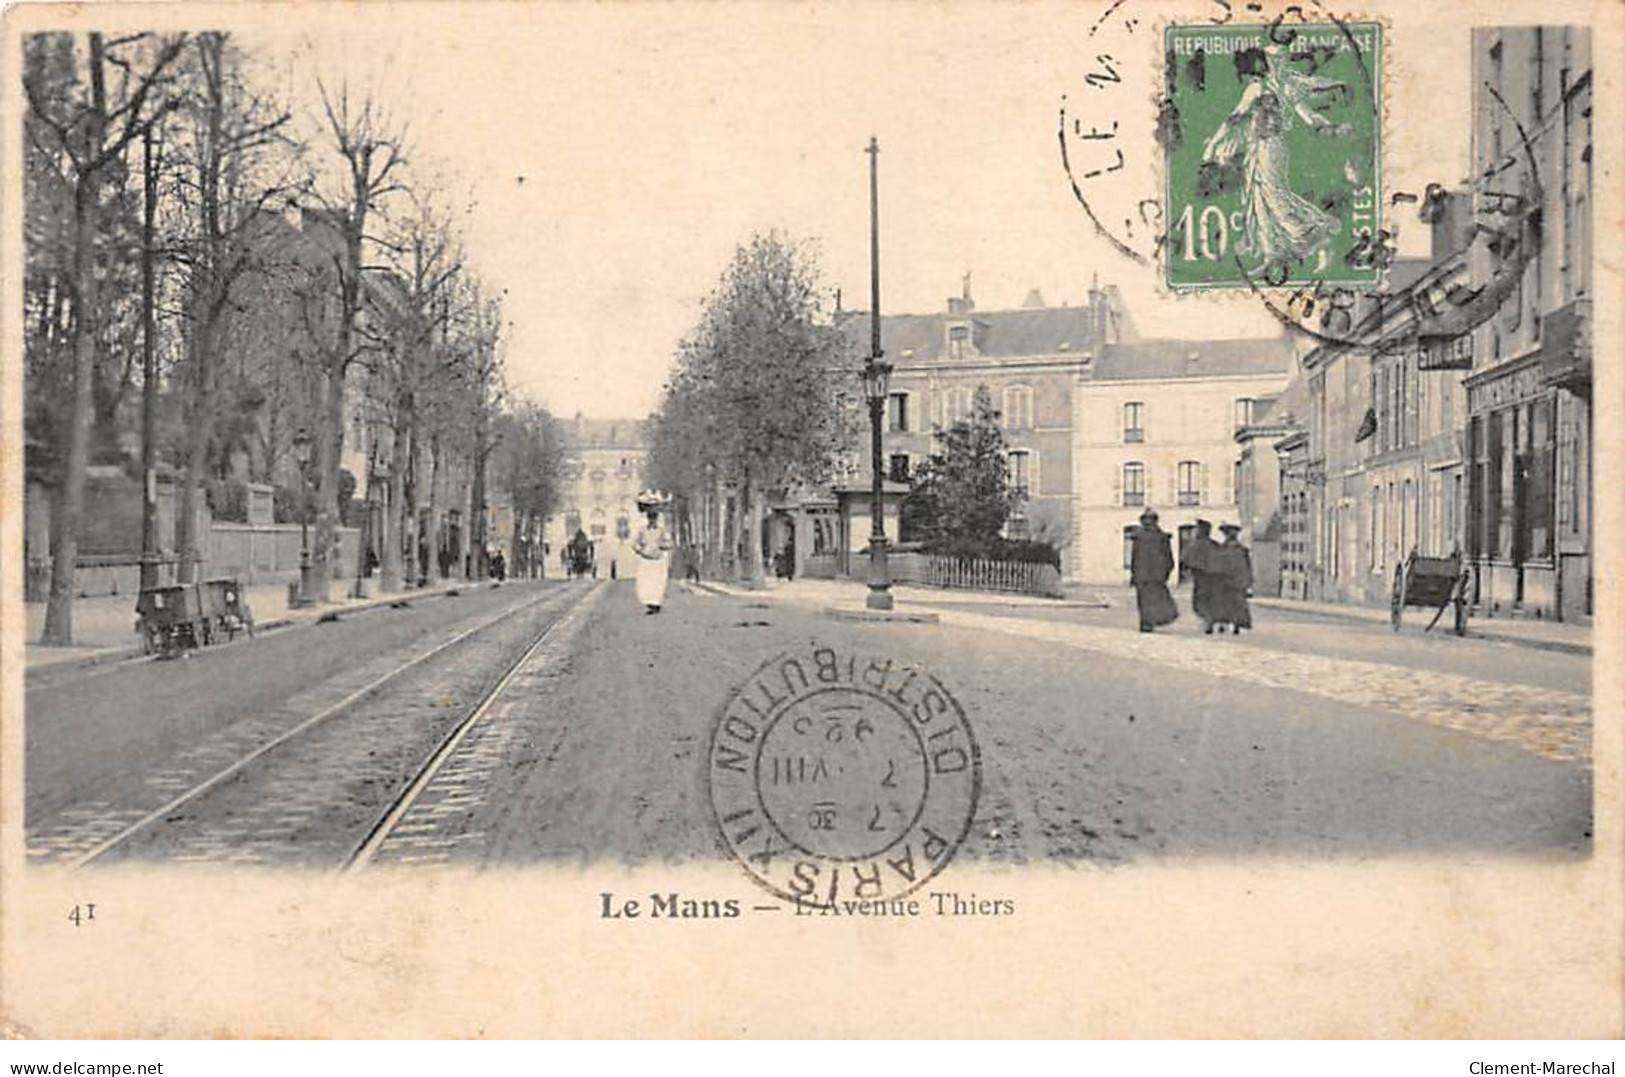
{"x":958,"y":341}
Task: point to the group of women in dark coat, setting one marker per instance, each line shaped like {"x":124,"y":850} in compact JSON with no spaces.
{"x":1221,"y":576}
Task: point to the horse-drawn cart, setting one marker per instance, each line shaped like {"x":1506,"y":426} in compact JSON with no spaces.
{"x":1431,"y":583}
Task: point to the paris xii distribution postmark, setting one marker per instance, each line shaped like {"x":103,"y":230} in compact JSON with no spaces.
{"x":840,"y":776}
{"x":1271,"y":138}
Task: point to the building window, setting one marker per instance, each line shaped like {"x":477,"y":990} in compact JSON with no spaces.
{"x":1018,"y":407}
{"x":958,"y":337}
{"x":1134,"y":484}
{"x":899,"y":471}
{"x":1190,"y":482}
{"x":1021,"y":471}
{"x":623,"y":528}
{"x":897,"y":413}
{"x":1244,"y":411}
{"x":955,"y":406}
{"x":1134,"y":421}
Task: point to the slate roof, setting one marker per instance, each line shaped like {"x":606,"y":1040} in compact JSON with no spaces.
{"x":1000,"y":334}
{"x":1163,"y":359}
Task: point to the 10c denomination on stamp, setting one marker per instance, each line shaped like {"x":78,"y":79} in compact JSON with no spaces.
{"x":842,"y":776}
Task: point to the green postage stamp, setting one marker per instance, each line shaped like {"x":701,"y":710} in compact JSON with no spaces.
{"x":1272,"y":142}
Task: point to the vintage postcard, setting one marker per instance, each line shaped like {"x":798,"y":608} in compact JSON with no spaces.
{"x":840,"y":519}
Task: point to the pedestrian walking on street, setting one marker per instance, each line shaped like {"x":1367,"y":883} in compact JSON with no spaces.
{"x":1151,"y":560}
{"x":1233,"y":577}
{"x":653,"y":547}
{"x":1198,"y":557}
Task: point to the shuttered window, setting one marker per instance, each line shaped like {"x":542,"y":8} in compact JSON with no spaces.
{"x":1190,"y":480}
{"x":1133,"y":422}
{"x":1018,"y":407}
{"x":1133,"y":487}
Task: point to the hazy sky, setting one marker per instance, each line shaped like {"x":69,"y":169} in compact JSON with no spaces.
{"x":617,"y":154}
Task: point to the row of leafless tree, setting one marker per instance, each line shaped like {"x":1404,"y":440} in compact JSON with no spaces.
{"x":261,"y":276}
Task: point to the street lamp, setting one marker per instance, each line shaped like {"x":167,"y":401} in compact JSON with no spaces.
{"x":876,"y":376}
{"x":876,"y":380}
{"x":301,"y":453}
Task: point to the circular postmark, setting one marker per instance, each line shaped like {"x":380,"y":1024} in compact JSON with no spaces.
{"x":1236,"y":146}
{"x":842,"y":776}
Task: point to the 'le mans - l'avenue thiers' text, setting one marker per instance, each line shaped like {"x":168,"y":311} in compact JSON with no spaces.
{"x":675,"y":906}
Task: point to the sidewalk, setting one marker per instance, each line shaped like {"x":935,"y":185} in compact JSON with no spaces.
{"x":1544,"y":635}
{"x":1525,"y":632}
{"x":104,"y":626}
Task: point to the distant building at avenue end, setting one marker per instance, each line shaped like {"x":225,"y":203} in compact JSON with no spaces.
{"x":1097,"y":422}
{"x":604,"y":469}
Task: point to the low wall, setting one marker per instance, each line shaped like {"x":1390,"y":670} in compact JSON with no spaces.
{"x":252,"y":554}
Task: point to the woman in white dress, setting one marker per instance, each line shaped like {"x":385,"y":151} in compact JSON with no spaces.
{"x":653,"y":547}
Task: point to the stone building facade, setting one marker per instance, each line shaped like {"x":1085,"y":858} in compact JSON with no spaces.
{"x":604,"y":471}
{"x":1155,"y":426}
{"x":1529,"y":414}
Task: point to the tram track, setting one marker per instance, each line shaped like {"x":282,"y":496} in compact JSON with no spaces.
{"x":255,"y":783}
{"x":436,"y":804}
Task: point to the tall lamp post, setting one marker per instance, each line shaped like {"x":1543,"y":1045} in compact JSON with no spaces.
{"x":301,"y":453}
{"x":876,"y":377}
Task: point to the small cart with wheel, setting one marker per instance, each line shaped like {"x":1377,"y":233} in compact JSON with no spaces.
{"x":225,"y":610}
{"x":170,"y":619}
{"x":1431,"y":583}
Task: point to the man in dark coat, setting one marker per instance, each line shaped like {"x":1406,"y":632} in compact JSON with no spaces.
{"x":1233,"y":578}
{"x":1198,"y":557}
{"x":1150,"y":563}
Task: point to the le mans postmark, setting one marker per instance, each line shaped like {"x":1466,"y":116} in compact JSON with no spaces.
{"x":838,"y":776}
{"x":1272,"y":147}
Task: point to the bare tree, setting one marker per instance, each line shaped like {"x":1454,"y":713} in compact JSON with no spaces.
{"x":423,"y":258}
{"x":92,"y":128}
{"x":370,"y":152}
{"x":229,"y":182}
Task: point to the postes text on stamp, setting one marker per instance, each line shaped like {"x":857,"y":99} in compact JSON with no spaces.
{"x":1272,"y":153}
{"x":840,"y":776}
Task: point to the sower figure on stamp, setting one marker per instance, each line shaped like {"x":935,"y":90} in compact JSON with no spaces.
{"x":653,"y":547}
{"x":1280,"y":228}
{"x":1150,"y":563}
{"x":1197,"y":556}
{"x":1233,"y":577}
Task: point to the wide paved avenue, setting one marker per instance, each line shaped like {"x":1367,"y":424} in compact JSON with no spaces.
{"x":1099,"y":744}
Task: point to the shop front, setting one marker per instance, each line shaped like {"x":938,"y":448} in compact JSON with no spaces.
{"x":1529,"y":500}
